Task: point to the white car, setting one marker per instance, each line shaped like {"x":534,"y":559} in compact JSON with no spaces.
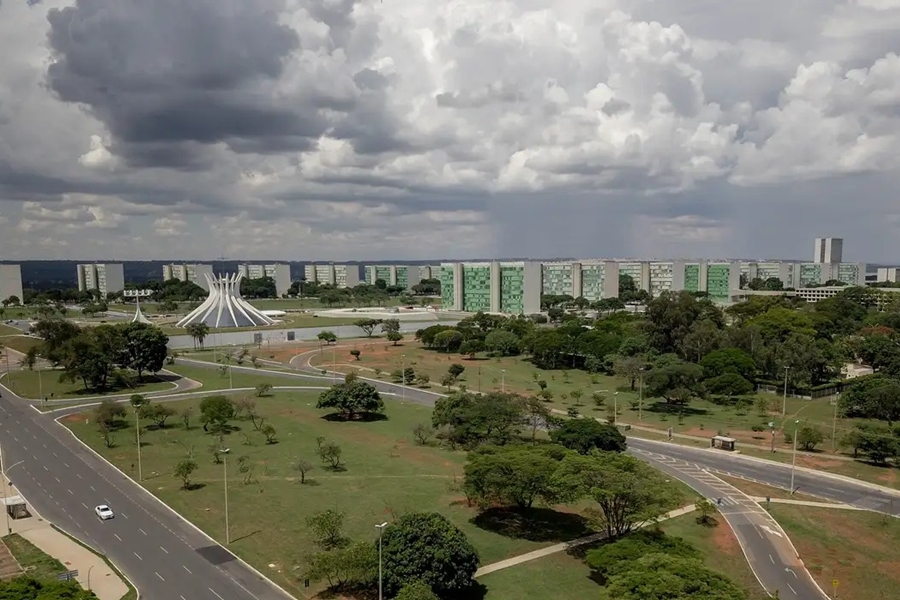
{"x":104,"y":512}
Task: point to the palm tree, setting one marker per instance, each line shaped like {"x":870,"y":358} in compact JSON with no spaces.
{"x":198,"y":331}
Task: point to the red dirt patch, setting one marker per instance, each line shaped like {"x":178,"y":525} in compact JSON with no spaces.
{"x":725,"y":541}
{"x":76,"y":418}
{"x":812,"y":462}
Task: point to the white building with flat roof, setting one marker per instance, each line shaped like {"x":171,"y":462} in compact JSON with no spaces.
{"x":195,"y":273}
{"x":280,"y":273}
{"x":828,"y":250}
{"x":10,"y":282}
{"x":107,"y":278}
{"x":341,"y":276}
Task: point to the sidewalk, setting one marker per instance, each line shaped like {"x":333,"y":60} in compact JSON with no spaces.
{"x":542,"y":552}
{"x":93,"y":572}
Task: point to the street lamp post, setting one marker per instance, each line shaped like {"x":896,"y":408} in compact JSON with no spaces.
{"x":380,"y":533}
{"x":837,"y":400}
{"x":784,"y":399}
{"x":225,"y":452}
{"x":333,"y":366}
{"x":641,"y":395}
{"x":137,"y":428}
{"x":503,"y":381}
{"x":794,"y":455}
{"x":616,"y":409}
{"x":89,"y":577}
{"x":403,"y":376}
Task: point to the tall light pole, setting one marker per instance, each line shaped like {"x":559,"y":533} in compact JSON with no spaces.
{"x":641,"y":395}
{"x":380,"y":533}
{"x":837,"y":400}
{"x":230,"y":378}
{"x":333,"y":366}
{"x":503,"y":381}
{"x":615,"y":409}
{"x":225,"y":452}
{"x":784,"y":399}
{"x":794,"y":455}
{"x":137,"y":401}
{"x":403,"y":375}
{"x":3,"y":471}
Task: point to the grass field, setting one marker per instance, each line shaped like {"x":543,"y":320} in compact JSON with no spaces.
{"x":564,"y":576}
{"x":386,"y":475}
{"x":215,"y":379}
{"x":289,"y":321}
{"x":860,"y":549}
{"x":19,"y":342}
{"x":9,"y":330}
{"x":30,"y":384}
{"x":35,"y":562}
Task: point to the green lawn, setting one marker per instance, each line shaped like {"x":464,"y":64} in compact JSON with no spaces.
{"x":9,"y":330}
{"x":30,"y":384}
{"x":289,"y":321}
{"x":565,"y":576}
{"x":215,"y":379}
{"x":860,"y":549}
{"x":35,"y":562}
{"x":19,"y":342}
{"x":386,"y":475}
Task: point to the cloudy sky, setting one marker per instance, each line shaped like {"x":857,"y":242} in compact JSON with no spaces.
{"x":382,"y":129}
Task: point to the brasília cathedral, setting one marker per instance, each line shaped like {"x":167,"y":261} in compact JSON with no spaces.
{"x":224,"y":307}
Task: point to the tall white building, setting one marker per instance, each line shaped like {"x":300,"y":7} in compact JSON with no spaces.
{"x":891,"y":274}
{"x":280,"y":273}
{"x":828,"y":250}
{"x":341,"y":276}
{"x":193,"y":273}
{"x":10,"y":282}
{"x":108,"y":278}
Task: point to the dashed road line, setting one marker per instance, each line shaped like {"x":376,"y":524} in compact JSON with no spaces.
{"x":217,"y":595}
{"x":158,"y":575}
{"x":186,"y":569}
{"x":139,"y":558}
{"x":163,"y":549}
{"x":117,"y":537}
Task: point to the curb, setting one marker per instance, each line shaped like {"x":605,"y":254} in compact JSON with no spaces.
{"x":137,"y":590}
{"x":183,"y":519}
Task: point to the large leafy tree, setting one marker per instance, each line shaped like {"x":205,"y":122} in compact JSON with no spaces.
{"x":352,"y":398}
{"x":510,"y":476}
{"x":427,"y":547}
{"x":473,"y":419}
{"x":628,"y":492}
{"x":674,"y":380}
{"x":216,"y":412}
{"x":671,"y":316}
{"x":144,"y":348}
{"x":666,"y":577}
{"x":586,"y":435}
{"x":29,"y":588}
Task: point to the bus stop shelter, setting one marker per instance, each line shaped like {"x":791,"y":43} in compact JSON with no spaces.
{"x":722,"y":443}
{"x":15,"y":507}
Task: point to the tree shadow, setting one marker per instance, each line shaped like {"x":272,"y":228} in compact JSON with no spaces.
{"x":195,"y":486}
{"x":245,"y":536}
{"x":675,"y":409}
{"x":533,"y":524}
{"x":357,"y":418}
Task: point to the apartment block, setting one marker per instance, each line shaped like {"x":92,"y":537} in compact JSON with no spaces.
{"x":781,"y":270}
{"x":405,"y":276}
{"x":10,"y":282}
{"x":280,"y":273}
{"x":497,"y":287}
{"x":342,"y":276}
{"x":107,"y":278}
{"x":194,"y":273}
{"x":891,"y":274}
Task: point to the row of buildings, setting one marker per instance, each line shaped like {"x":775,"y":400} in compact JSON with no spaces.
{"x":109,"y":278}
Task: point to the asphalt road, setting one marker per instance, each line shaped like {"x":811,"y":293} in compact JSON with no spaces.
{"x":164,"y":557}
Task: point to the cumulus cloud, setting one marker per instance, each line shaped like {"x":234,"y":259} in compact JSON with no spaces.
{"x":311,"y":129}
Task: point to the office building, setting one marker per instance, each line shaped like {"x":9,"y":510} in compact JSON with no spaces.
{"x":828,"y":250}
{"x":890,"y":274}
{"x":193,"y":273}
{"x":11,"y":282}
{"x":497,"y":287}
{"x":107,"y":278}
{"x":340,"y":276}
{"x":592,"y":280}
{"x":280,"y":274}
{"x":405,"y":276}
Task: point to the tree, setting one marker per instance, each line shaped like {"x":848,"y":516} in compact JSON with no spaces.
{"x":537,"y":416}
{"x":268,"y":430}
{"x":728,"y":384}
{"x":29,"y":588}
{"x":326,"y":336}
{"x":394,"y":337}
{"x":503,"y":343}
{"x":355,"y":353}
{"x":368,"y":325}
{"x":728,"y":360}
{"x":470,"y":348}
{"x":330,"y":454}
{"x":666,"y":577}
{"x":629,"y":492}
{"x":186,"y":417}
{"x":809,"y":437}
{"x":350,"y":566}
{"x":705,"y":511}
{"x":676,"y":381}
{"x":510,"y":476}
{"x":215,"y":412}
{"x":427,"y":547}
{"x":389,"y":326}
{"x":158,"y":413}
{"x":198,"y":333}
{"x":421,"y":433}
{"x":473,"y":419}
{"x":455,"y":370}
{"x":416,"y":590}
{"x":183,"y":471}
{"x":144,"y":348}
{"x":352,"y":398}
{"x":629,"y":367}
{"x":303,"y":467}
{"x":409,"y":375}
{"x":586,"y":435}
{"x":263,"y":389}
{"x":109,"y":414}
{"x":327,"y":527}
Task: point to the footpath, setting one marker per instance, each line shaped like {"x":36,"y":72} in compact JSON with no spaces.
{"x":93,"y":572}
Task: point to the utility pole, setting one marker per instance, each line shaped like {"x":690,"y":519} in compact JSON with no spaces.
{"x":794,"y":456}
{"x":784,"y":400}
{"x":837,"y":400}
{"x":641,"y":395}
{"x":225,"y":452}
{"x":380,"y":532}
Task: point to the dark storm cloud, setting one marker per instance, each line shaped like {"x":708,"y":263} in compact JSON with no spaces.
{"x":172,"y":74}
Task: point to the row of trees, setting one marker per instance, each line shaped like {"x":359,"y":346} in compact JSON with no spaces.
{"x":100,"y":356}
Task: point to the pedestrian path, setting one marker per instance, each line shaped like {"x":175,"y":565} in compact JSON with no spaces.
{"x":561,"y":547}
{"x":93,"y":572}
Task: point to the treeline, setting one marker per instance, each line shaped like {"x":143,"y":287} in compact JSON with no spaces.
{"x":364,"y":294}
{"x":103,"y":357}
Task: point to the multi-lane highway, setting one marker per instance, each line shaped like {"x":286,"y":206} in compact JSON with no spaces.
{"x":166,"y":558}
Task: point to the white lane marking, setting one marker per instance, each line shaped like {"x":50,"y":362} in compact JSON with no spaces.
{"x":84,"y":505}
{"x":34,"y":457}
{"x":186,"y":569}
{"x":15,"y":438}
{"x":46,"y":469}
{"x":77,"y":475}
{"x":44,"y":445}
{"x":70,"y":492}
{"x":792,"y":589}
{"x":92,"y":489}
{"x":770,"y":530}
{"x":142,"y":531}
{"x":158,"y":575}
{"x":217,"y":595}
{"x":67,"y":464}
{"x":55,"y":455}
{"x":163,"y":549}
{"x":123,"y":514}
{"x":183,"y":598}
{"x":117,"y":537}
{"x":772,"y":559}
{"x":139,"y":558}
{"x":57,"y":479}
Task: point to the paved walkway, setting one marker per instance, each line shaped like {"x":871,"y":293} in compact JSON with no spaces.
{"x":812,"y":503}
{"x":561,"y":547}
{"x":93,"y":572}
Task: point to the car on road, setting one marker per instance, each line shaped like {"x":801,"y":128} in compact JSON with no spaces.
{"x":104,"y":512}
